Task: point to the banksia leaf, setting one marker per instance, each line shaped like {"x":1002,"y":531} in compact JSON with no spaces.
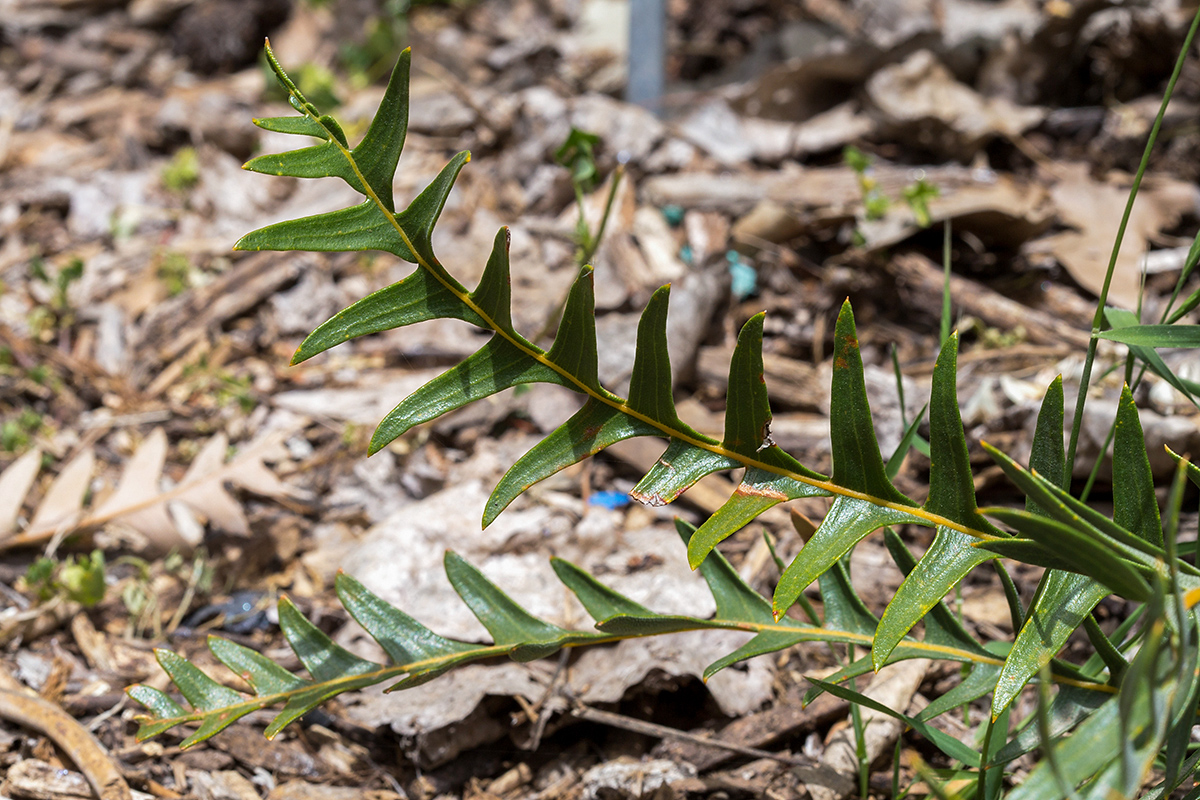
{"x":405,"y":640}
{"x":590,"y":430}
{"x":676,"y":471}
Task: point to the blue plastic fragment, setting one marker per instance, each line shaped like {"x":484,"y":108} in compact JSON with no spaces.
{"x":673,"y":215}
{"x":685,"y":254}
{"x":745,"y":277}
{"x":610,"y":500}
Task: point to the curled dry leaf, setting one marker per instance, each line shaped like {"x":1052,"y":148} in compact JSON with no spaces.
{"x":139,"y":501}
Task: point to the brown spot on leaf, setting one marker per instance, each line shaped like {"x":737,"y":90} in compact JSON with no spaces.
{"x":752,"y":490}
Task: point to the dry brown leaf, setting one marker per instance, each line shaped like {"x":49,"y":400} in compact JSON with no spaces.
{"x":138,"y":501}
{"x":137,"y":489}
{"x":63,"y":502}
{"x":15,"y":483}
{"x":1094,"y":209}
{"x":209,"y":498}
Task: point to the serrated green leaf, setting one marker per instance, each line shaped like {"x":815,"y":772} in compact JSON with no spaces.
{"x":379,"y":151}
{"x":156,"y":700}
{"x":600,"y":601}
{"x":367,"y":227}
{"x":848,"y":520}
{"x":1088,"y":554}
{"x":300,"y":126}
{"x":857,"y":463}
{"x":758,"y":491}
{"x":941,"y":626}
{"x":418,"y":298}
{"x":1121,"y":319}
{"x":590,"y":430}
{"x":406,"y":641}
{"x":574,"y":347}
{"x":1156,"y":335}
{"x":1047,"y":455}
{"x":306,"y":700}
{"x":324,"y":660}
{"x":747,"y":408}
{"x":676,"y":471}
{"x":373,"y":160}
{"x":951,"y":482}
{"x":947,"y":561}
{"x":201,"y":691}
{"x":650,"y":381}
{"x":263,"y":674}
{"x":507,"y":622}
{"x":1135,"y":507}
{"x":658,"y":624}
{"x":764,"y":642}
{"x":1055,"y":614}
{"x":493,"y":295}
{"x":735,"y":599}
{"x":942,"y":741}
{"x":844,"y":610}
{"x":978,"y":682}
{"x":496,"y":366}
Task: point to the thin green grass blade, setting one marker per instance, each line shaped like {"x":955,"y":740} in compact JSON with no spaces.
{"x":1069,"y":707}
{"x":1087,"y":554}
{"x":1121,"y":319}
{"x":978,"y":682}
{"x":892,"y":468}
{"x":1069,"y":510}
{"x":1095,"y":743}
{"x":1155,"y":335}
{"x":942,"y":741}
{"x":1193,"y":471}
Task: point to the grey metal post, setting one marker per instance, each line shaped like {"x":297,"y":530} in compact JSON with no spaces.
{"x":647,"y":53}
